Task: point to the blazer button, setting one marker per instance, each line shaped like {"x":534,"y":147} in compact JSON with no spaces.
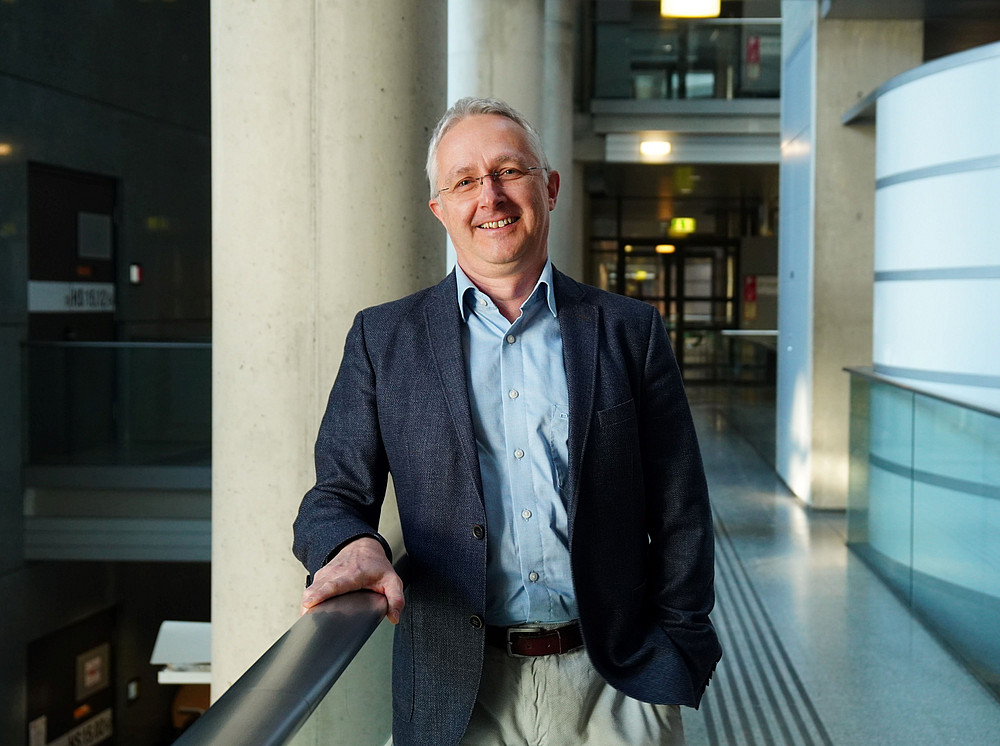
{"x":476,"y":621}
{"x":478,"y":531}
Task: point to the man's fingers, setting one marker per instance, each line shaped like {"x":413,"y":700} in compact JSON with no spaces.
{"x":393,"y":590}
{"x":386,"y":582}
{"x":321,"y":590}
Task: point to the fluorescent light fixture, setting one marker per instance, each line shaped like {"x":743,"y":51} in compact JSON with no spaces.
{"x":690,"y":8}
{"x":654,"y":148}
{"x":665,"y":248}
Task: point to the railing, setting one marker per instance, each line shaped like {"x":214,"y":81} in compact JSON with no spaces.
{"x":924,"y":509}
{"x":752,"y":355}
{"x":118,"y":403}
{"x":117,"y":451}
{"x":274,"y":698}
{"x":643,"y":56}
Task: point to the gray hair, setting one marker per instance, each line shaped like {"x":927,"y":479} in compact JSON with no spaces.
{"x":470,"y":107}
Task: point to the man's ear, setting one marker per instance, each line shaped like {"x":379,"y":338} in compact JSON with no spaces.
{"x":552,"y":189}
{"x":435,"y":205}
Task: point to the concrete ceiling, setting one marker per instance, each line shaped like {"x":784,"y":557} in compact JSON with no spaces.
{"x":712,"y":182}
{"x":910,"y":9}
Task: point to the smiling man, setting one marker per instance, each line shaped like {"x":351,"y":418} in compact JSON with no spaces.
{"x":547,"y":473}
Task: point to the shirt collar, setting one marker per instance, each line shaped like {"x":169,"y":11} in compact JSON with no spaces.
{"x":465,"y":286}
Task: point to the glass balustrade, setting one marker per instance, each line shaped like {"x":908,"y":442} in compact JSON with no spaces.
{"x":118,"y":403}
{"x":924,"y":510}
{"x":647,"y":57}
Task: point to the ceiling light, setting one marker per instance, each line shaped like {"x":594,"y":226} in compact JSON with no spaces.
{"x":665,"y":248}
{"x":654,"y":148}
{"x":6,"y":148}
{"x":690,"y":8}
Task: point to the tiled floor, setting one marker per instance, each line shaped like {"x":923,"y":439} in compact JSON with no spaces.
{"x":818,"y":650}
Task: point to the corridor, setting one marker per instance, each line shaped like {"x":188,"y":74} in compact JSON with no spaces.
{"x":817,"y":650}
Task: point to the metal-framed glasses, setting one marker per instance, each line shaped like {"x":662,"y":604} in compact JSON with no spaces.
{"x":468,"y":187}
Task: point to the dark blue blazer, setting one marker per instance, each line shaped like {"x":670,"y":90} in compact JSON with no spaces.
{"x":640,"y":527}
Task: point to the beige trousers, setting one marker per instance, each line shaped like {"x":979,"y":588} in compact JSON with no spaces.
{"x":555,"y":700}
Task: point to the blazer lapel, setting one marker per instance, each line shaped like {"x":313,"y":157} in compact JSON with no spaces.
{"x":444,"y":328}
{"x":578,"y":324}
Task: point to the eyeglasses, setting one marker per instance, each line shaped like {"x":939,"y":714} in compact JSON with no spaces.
{"x":468,"y":186}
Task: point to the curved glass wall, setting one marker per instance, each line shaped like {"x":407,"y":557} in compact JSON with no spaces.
{"x":924,"y":510}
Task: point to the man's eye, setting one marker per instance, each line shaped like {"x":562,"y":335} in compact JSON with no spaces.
{"x":463,"y":183}
{"x":511,"y":173}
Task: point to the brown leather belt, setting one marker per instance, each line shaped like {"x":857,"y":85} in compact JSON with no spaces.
{"x":527,"y":641}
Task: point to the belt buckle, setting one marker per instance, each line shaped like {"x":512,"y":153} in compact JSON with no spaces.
{"x":525,"y":629}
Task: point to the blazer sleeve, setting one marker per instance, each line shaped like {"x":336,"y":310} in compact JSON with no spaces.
{"x":351,"y":464}
{"x":681,"y":574}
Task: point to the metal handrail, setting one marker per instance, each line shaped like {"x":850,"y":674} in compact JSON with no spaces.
{"x":873,"y":375}
{"x":114,"y":345}
{"x":270,"y":702}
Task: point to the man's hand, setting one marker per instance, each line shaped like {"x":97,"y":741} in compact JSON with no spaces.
{"x":360,"y":564}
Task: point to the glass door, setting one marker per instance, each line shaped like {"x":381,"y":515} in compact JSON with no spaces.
{"x":691,"y":284}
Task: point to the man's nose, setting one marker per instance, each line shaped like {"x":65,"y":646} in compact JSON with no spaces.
{"x":491,"y":191}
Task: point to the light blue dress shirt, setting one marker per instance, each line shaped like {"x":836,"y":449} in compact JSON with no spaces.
{"x":520,"y":412}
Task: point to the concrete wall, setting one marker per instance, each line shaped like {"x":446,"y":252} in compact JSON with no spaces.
{"x":321,"y":116}
{"x":854,"y":58}
{"x":827,"y":236}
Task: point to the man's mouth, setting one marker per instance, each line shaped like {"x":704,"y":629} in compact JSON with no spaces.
{"x":498,"y":223}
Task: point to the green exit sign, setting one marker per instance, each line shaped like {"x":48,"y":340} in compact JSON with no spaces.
{"x":682,"y":225}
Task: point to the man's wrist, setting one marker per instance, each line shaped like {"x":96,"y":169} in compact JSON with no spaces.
{"x":336,"y":550}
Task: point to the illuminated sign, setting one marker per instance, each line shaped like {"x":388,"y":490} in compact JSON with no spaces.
{"x":682,"y":226}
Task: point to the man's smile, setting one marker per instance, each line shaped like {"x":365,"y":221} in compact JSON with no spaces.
{"x":498,"y":223}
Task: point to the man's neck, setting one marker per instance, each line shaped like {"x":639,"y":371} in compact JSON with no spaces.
{"x":509,"y":292}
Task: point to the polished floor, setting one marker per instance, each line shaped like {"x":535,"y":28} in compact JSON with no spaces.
{"x":817,"y":649}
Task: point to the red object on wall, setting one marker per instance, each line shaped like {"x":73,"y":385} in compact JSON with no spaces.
{"x":750,"y":288}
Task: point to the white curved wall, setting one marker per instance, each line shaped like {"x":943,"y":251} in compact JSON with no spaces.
{"x":937,"y":229}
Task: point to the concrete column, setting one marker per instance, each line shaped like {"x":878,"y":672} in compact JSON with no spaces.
{"x":529,"y":65}
{"x":853,"y":58}
{"x":321,"y":113}
{"x":495,"y":49}
{"x":827,"y":245}
{"x":557,"y":133}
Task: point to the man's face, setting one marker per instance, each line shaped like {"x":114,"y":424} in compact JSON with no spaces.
{"x":503,"y":228}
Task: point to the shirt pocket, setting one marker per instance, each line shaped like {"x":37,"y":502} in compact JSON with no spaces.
{"x":558,"y":442}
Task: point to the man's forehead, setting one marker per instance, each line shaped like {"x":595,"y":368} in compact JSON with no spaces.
{"x":480,"y":138}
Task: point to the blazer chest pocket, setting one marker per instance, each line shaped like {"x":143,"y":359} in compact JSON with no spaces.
{"x":618,"y":415}
{"x":616,"y":444}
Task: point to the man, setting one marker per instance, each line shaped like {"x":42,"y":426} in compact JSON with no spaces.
{"x":549,"y":483}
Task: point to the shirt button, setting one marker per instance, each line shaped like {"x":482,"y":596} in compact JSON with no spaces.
{"x":512,"y":393}
{"x":478,"y":531}
{"x":533,"y":576}
{"x":518,"y":453}
{"x":482,"y":301}
{"x":526,"y":514}
{"x":476,"y":621}
{"x":511,"y":339}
